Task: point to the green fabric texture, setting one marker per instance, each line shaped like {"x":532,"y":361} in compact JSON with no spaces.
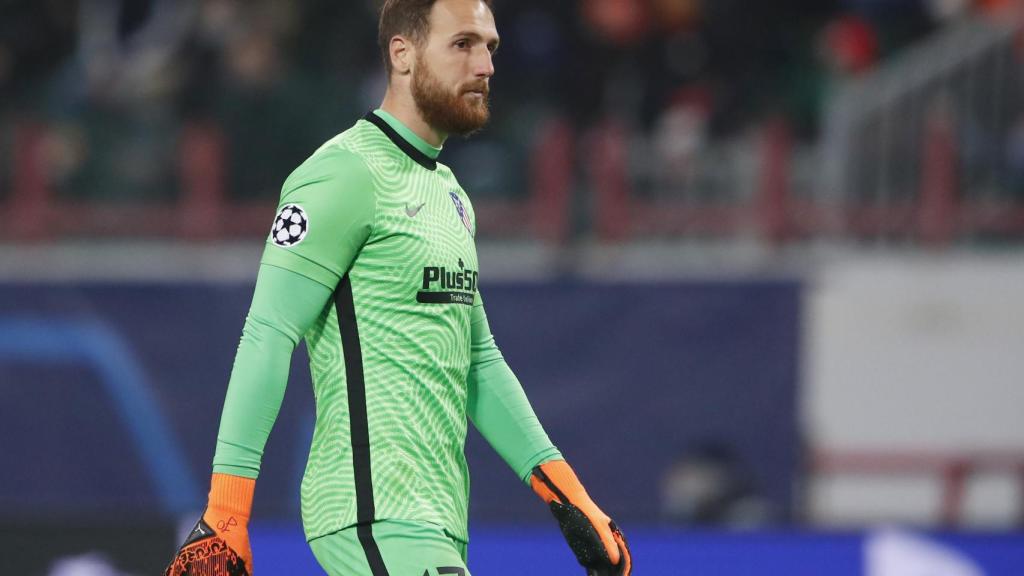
{"x":395,"y":239}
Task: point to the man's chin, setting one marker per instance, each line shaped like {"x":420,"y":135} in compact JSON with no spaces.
{"x":472,"y":120}
{"x":475,"y":107}
{"x":460,"y":115}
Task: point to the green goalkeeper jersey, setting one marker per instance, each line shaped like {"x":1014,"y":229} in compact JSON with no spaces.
{"x":373,"y":218}
{"x":390,"y":355}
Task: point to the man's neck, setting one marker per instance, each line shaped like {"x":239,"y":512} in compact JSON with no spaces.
{"x":404,"y":109}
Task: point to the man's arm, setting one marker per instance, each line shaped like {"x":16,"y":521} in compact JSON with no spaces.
{"x":284,"y":307}
{"x":498,"y":405}
{"x":330,"y":201}
{"x":501,"y":412}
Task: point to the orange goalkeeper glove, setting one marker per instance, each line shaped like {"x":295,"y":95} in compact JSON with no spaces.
{"x":596,"y":541}
{"x":219,"y":544}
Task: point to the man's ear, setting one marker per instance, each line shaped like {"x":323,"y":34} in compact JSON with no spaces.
{"x":401,"y":52}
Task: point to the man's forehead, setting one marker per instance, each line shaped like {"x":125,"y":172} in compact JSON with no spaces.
{"x":450,"y":17}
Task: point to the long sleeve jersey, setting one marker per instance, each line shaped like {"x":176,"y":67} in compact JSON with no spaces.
{"x":371,"y":259}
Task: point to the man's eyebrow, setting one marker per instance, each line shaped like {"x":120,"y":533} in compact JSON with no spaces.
{"x":476,"y":36}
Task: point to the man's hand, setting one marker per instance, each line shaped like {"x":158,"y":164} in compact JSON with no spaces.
{"x":219,"y":544}
{"x":594,"y":538}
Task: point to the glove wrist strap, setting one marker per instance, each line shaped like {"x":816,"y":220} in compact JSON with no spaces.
{"x":232,"y":494}
{"x":564,"y":485}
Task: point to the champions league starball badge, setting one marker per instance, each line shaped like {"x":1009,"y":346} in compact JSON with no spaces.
{"x":290,"y":226}
{"x":461,"y":209}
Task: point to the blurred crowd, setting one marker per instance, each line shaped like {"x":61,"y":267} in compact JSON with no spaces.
{"x":117,"y":80}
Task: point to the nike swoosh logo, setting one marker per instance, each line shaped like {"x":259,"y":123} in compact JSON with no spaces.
{"x":412,"y":212}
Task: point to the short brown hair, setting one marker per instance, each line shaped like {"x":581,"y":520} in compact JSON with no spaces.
{"x":410,"y":18}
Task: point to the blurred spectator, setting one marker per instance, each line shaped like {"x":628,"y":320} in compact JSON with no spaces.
{"x":849,"y":45}
{"x":679,"y":136}
{"x":620,"y":22}
{"x":675,"y":15}
{"x":896,"y":23}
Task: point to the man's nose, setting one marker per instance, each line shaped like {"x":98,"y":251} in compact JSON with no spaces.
{"x":483,"y":65}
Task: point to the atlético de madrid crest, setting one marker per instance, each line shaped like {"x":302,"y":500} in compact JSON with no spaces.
{"x":461,"y":209}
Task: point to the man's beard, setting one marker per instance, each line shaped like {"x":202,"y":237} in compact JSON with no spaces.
{"x":448,"y":110}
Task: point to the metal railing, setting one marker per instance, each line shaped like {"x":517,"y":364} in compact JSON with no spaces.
{"x":919,"y":148}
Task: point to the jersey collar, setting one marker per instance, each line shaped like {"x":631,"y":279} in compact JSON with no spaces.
{"x":414,"y":147}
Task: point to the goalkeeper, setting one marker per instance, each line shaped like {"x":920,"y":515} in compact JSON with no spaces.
{"x":372,"y":260}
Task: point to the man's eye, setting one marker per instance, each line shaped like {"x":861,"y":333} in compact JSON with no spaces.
{"x":462,"y":44}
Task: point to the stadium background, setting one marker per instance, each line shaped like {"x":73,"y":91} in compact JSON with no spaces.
{"x":758,"y":266}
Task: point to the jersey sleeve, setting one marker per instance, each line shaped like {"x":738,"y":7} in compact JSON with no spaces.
{"x":498,"y":406}
{"x":284,"y":306}
{"x":324,"y":217}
